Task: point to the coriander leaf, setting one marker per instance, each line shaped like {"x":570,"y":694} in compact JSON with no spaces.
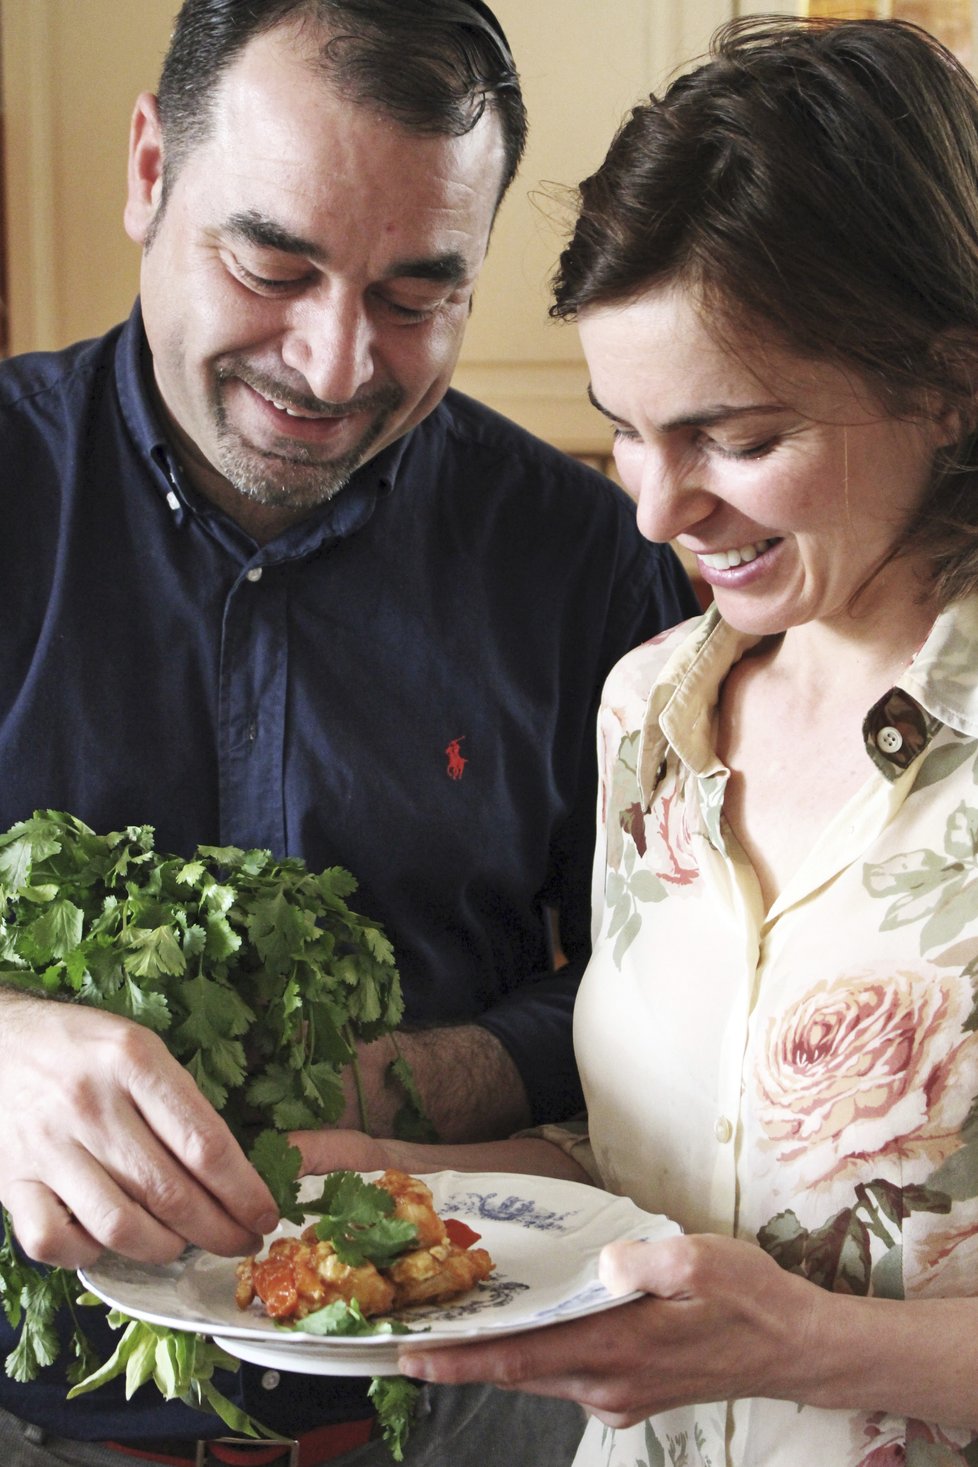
{"x":221,"y":941}
{"x":154,"y":953}
{"x":277,"y":1163}
{"x":410,"y":1123}
{"x":278,"y":930}
{"x":357,"y":1219}
{"x":395,"y":1400}
{"x":214,"y":1012}
{"x":38,"y":1343}
{"x":346,"y":1318}
{"x":258,"y":976}
{"x":58,"y":929}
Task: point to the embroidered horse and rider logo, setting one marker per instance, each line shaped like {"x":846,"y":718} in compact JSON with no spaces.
{"x":456,"y":759}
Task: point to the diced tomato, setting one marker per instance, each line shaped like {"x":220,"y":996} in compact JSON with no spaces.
{"x":274,"y":1282}
{"x":460,"y":1233}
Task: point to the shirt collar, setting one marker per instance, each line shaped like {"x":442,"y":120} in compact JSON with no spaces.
{"x":343,"y":515}
{"x":680,"y":708}
{"x":937,"y":689}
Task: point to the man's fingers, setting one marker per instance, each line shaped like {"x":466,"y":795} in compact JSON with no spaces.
{"x":124,"y":1138}
{"x":46,"y":1229}
{"x":215,"y":1183}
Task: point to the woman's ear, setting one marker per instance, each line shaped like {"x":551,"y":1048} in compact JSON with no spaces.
{"x":955,"y":413}
{"x":145,"y":173}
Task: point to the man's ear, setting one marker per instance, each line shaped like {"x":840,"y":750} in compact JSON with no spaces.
{"x":145,"y":174}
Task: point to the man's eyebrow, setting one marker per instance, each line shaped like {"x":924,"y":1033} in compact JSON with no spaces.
{"x":721,"y":413}
{"x":450,"y":268}
{"x":257,"y":229}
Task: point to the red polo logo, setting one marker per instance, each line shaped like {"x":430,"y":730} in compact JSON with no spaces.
{"x":456,"y":761}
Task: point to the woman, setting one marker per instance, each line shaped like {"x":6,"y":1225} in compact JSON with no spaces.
{"x":775,"y":275}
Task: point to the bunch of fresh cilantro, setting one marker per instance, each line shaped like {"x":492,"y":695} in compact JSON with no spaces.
{"x":259,"y":978}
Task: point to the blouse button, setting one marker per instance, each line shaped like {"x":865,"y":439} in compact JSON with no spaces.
{"x":723,"y":1130}
{"x":889,"y":740}
{"x":270,"y":1380}
{"x":254,"y":574}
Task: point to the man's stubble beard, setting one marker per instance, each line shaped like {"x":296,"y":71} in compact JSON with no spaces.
{"x":294,"y":477}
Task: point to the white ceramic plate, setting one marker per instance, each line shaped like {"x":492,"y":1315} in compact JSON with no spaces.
{"x":544,"y":1237}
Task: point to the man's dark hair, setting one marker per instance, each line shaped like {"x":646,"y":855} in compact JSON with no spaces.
{"x":434,"y":66}
{"x":816,"y":183}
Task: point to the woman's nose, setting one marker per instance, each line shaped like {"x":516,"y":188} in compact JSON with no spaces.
{"x":666,"y":486}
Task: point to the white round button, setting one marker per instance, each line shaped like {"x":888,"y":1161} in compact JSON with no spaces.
{"x":723,"y":1130}
{"x":254,"y":574}
{"x":270,"y":1380}
{"x":889,"y":740}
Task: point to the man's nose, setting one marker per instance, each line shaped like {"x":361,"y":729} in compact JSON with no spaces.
{"x":329,"y":340}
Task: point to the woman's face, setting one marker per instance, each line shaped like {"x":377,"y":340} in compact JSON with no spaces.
{"x":781,"y":475}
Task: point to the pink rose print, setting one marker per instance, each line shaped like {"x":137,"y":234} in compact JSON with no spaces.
{"x":671,"y":823}
{"x":939,"y":1449}
{"x":869,"y":1069}
{"x":944,"y":1261}
{"x":892,"y":1455}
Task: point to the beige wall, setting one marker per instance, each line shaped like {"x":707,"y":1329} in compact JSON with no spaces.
{"x":71,"y":69}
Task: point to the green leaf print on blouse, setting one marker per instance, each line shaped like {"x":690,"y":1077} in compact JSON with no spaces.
{"x":939,"y":891}
{"x":626,"y":892}
{"x":838,"y":1255}
{"x":676,"y":1453}
{"x":648,"y":850}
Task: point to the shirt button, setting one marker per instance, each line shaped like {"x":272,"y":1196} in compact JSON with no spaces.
{"x":254,"y":574}
{"x":723,"y":1130}
{"x":270,"y":1380}
{"x":889,"y":740}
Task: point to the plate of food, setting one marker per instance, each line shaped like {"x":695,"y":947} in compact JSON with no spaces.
{"x":492,"y":1253}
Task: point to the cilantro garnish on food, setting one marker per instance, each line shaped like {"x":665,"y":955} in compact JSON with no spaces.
{"x":258,"y":976}
{"x":344,"y":1319}
{"x":358,"y":1219}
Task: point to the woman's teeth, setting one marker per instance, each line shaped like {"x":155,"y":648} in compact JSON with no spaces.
{"x":726,"y":559}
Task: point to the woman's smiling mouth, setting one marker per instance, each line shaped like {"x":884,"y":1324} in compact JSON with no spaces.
{"x":721,"y":560}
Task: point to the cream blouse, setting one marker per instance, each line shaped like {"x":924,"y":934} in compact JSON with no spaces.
{"x":806,"y":1079}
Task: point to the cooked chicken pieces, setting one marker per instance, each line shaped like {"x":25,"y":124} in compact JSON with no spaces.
{"x":300,"y":1275}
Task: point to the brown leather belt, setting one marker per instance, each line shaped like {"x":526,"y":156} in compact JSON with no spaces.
{"x":308,"y":1450}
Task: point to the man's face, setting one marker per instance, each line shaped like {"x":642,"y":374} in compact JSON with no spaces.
{"x":306,"y":288}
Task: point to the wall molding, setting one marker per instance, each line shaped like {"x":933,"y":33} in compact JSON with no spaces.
{"x":548,"y":398}
{"x":30,"y":108}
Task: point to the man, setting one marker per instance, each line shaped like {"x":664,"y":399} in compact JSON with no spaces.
{"x":274,"y":588}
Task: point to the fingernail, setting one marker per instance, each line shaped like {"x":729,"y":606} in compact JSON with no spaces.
{"x":268,"y":1222}
{"x":416,"y":1365}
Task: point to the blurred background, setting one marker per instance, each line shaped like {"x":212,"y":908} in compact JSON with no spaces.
{"x":70,"y":70}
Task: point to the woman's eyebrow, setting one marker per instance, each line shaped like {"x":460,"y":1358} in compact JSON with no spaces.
{"x":706,"y":417}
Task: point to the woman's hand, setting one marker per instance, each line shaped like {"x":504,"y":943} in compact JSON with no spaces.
{"x":720,"y":1320}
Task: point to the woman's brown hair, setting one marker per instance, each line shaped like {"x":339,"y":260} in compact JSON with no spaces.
{"x":816,"y":182}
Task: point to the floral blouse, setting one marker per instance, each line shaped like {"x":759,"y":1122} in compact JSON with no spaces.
{"x":806,"y":1078}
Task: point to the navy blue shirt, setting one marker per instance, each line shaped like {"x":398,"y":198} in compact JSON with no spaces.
{"x":404,"y":684}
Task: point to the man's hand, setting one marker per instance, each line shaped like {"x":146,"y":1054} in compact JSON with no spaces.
{"x":470,"y":1088}
{"x":106,"y":1142}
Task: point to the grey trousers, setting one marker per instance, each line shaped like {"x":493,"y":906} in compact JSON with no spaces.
{"x":457,"y":1426}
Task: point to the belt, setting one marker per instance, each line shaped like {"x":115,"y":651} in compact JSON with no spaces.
{"x":308,"y":1450}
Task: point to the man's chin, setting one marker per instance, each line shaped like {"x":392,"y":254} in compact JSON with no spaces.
{"x":281,"y":483}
